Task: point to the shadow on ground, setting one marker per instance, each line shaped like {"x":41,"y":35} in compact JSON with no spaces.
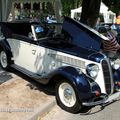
{"x":4,"y":76}
{"x":33,"y":84}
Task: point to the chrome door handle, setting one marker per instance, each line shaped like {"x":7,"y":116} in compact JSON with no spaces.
{"x":33,"y":52}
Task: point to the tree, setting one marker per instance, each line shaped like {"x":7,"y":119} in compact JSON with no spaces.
{"x":67,"y":5}
{"x":113,"y":5}
{"x":90,"y":12}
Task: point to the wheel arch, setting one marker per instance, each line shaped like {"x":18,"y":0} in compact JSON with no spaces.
{"x":71,"y":75}
{"x":4,"y":45}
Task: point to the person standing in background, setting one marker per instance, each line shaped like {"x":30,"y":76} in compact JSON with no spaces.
{"x":110,"y":46}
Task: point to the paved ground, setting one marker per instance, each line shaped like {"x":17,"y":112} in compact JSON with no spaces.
{"x":111,"y":112}
{"x":21,"y":98}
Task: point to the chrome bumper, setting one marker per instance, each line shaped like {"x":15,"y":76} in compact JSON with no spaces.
{"x":104,"y":100}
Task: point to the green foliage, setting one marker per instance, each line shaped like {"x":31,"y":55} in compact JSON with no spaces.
{"x":113,"y":5}
{"x":67,"y":5}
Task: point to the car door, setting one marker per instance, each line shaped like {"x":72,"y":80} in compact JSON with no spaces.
{"x":21,"y":51}
{"x":45,"y":60}
{"x":36,"y":56}
{"x":29,"y":56}
{"x":33,"y":57}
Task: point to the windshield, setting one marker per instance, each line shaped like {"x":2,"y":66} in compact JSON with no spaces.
{"x":47,"y":30}
{"x":39,"y":31}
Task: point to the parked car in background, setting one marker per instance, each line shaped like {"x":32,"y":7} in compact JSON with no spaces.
{"x":116,"y":27}
{"x":50,"y":19}
{"x":73,"y":61}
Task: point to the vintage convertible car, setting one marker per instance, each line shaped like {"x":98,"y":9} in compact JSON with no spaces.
{"x":72,"y":60}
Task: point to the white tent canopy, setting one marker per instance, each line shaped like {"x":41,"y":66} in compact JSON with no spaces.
{"x":109,"y":16}
{"x":75,"y":11}
{"x":103,"y":8}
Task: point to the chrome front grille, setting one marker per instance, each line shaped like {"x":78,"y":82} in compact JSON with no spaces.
{"x":107,"y":76}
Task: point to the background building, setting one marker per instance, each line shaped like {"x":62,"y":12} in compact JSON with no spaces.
{"x":32,"y":10}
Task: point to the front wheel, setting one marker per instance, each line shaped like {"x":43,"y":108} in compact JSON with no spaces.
{"x":4,"y":59}
{"x":67,"y":97}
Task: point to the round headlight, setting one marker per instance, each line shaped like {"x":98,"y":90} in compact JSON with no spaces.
{"x":115,"y":65}
{"x":92,"y":70}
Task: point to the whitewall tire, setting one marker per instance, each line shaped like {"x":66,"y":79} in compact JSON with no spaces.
{"x":67,"y":97}
{"x":3,"y":59}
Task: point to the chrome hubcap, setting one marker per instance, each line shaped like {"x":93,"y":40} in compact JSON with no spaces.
{"x":67,"y":94}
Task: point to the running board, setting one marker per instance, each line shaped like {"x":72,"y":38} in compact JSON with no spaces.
{"x":28,"y":73}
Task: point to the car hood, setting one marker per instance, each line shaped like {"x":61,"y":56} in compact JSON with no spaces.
{"x":82,"y":35}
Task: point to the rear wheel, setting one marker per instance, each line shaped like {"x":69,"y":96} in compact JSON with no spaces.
{"x":4,"y":59}
{"x":67,"y":97}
